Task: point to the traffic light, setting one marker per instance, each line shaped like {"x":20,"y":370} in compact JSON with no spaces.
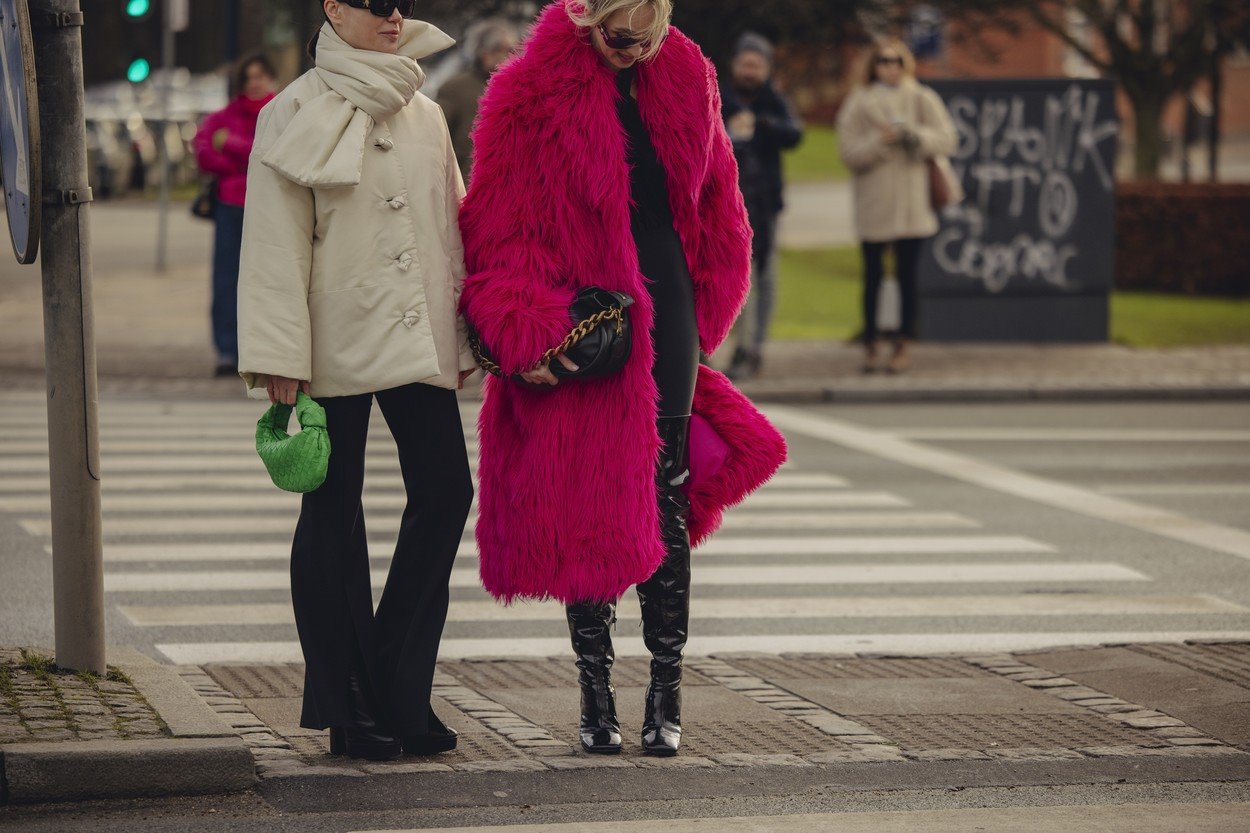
{"x":137,"y":13}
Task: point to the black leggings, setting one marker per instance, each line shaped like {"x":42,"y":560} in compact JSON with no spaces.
{"x":393,"y":651}
{"x":906,"y":265}
{"x":676,"y":334}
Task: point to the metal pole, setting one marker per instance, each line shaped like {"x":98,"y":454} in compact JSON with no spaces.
{"x":167,"y":63}
{"x":69,"y":344}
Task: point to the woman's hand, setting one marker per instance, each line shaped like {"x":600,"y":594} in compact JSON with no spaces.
{"x":890,"y":134}
{"x":542,"y":374}
{"x":219,"y":139}
{"x":464,"y":375}
{"x":283,"y":390}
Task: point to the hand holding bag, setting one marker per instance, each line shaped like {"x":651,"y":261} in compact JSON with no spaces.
{"x":599,"y":345}
{"x":295,"y":463}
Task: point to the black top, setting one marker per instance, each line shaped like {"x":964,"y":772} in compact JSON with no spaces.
{"x":648,"y":183}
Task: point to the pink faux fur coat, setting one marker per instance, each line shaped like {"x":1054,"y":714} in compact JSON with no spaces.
{"x":567,"y":476}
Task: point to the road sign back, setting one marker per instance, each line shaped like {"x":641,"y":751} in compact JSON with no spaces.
{"x":19,"y":130}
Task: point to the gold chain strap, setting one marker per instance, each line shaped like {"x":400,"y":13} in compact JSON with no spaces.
{"x":578,"y":333}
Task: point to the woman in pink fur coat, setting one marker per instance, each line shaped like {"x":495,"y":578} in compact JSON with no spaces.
{"x":601,"y":160}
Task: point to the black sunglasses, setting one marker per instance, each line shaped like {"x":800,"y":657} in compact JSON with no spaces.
{"x":385,"y":8}
{"x":621,"y":41}
{"x":889,"y":59}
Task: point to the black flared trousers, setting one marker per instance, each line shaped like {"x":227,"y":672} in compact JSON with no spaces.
{"x":906,"y":267}
{"x":393,"y":650}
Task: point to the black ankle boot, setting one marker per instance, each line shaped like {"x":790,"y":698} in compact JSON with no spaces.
{"x":365,"y":738}
{"x":665,"y":597}
{"x":438,"y":737}
{"x":590,"y":626}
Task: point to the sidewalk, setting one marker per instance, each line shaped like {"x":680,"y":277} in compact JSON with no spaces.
{"x":138,"y":731}
{"x":1149,"y":713}
{"x":1145,"y":713}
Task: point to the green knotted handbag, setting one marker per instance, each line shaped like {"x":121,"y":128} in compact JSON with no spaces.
{"x":296,"y":463}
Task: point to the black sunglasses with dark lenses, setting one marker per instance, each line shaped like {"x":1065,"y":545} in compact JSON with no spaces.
{"x":385,"y":8}
{"x":621,"y":41}
{"x":886,"y":60}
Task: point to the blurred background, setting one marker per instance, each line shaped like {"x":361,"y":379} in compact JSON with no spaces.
{"x":1174,"y":273}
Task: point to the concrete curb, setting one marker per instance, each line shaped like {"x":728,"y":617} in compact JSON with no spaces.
{"x":204,"y":756}
{"x":93,"y":769}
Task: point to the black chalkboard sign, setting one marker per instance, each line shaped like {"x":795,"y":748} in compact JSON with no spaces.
{"x":1030,"y":253}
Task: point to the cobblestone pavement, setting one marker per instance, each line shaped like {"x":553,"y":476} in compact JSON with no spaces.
{"x":39,"y":702}
{"x":804,"y":710}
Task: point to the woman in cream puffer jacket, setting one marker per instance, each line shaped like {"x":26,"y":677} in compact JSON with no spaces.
{"x":349,"y":283}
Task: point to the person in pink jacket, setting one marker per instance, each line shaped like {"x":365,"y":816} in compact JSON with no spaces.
{"x":222,"y":147}
{"x":600,"y":159}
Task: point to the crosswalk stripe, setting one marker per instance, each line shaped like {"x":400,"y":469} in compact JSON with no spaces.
{"x":703,"y":609}
{"x":242,"y":445}
{"x":806,"y":575}
{"x":908,"y":644}
{"x":1121,"y":434}
{"x":1177,"y":489}
{"x":717,"y":546}
{"x":258,"y":481}
{"x":30,"y":464}
{"x":272,"y":499}
{"x":236,"y":524}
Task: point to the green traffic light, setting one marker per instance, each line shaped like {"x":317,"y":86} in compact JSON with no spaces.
{"x":138,"y":71}
{"x":138,"y":8}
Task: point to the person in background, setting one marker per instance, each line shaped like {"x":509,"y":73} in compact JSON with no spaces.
{"x":761,"y":124}
{"x":490,"y":43}
{"x":222,"y":147}
{"x":888,"y":130}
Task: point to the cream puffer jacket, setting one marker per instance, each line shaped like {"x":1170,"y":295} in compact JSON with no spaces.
{"x":352,"y":264}
{"x":892,"y":181}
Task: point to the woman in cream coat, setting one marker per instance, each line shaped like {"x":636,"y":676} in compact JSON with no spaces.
{"x":888,"y":130}
{"x":350,"y":279}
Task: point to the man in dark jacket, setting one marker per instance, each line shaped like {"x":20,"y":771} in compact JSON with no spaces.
{"x":491,"y":42}
{"x":761,"y":124}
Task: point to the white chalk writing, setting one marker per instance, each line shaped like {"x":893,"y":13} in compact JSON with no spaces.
{"x":1015,"y":168}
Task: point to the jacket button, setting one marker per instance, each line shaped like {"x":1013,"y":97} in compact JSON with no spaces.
{"x":404,"y":261}
{"x":384,"y":144}
{"x":397,"y":202}
{"x":411,"y":318}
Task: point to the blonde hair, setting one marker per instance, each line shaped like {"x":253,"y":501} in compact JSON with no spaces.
{"x":587,"y":14}
{"x":869,"y":74}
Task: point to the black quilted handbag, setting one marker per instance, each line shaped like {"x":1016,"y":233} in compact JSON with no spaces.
{"x":599,"y":345}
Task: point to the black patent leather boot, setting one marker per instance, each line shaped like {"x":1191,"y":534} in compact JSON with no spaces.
{"x":590,"y":626}
{"x":365,"y":738}
{"x":665,"y":597}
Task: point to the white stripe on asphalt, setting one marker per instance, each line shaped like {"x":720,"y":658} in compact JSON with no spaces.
{"x":702,"y":608}
{"x":281,"y":524}
{"x":34,"y":464}
{"x":808,"y":575}
{"x":1161,"y":522}
{"x":1178,"y":489}
{"x":908,"y":644}
{"x":718,"y":546}
{"x":1100,"y":435}
{"x":240,"y":444}
{"x":272,"y":498}
{"x":258,"y":481}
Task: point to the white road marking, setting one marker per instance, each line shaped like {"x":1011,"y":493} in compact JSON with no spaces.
{"x":906,"y":644}
{"x":718,"y":546}
{"x":703,"y":609}
{"x":1099,"y":435}
{"x":1070,"y":498}
{"x":1177,"y":489}
{"x":806,"y":574}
